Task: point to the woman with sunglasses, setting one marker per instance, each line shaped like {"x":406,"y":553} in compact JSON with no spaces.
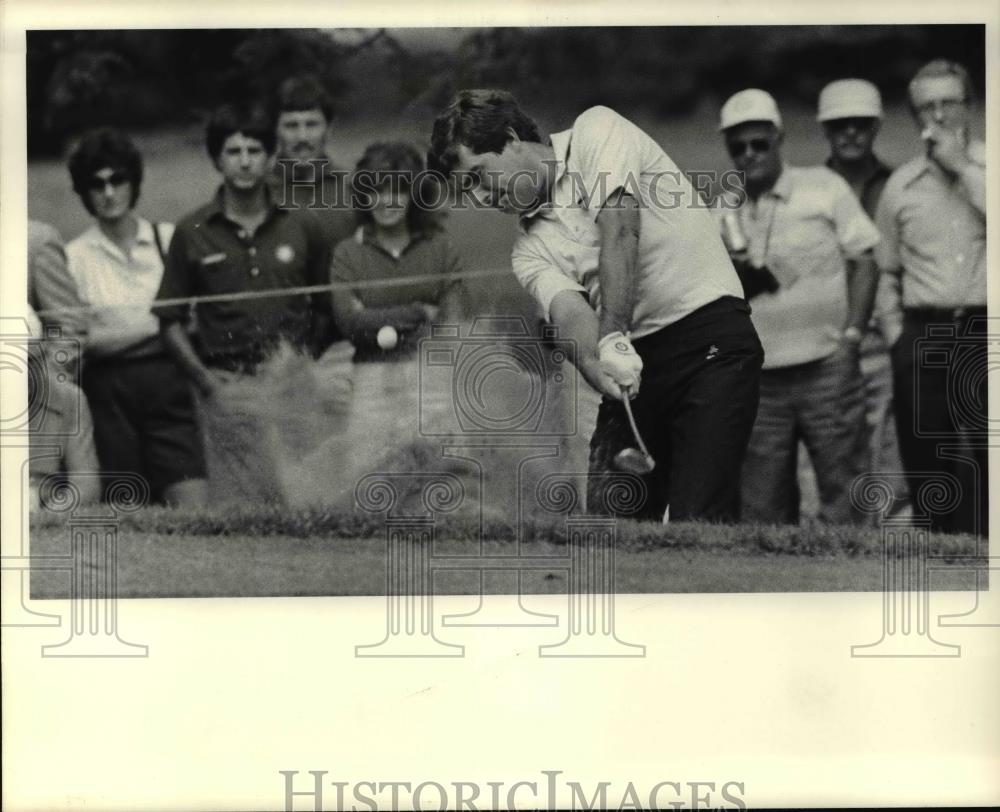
{"x":144,"y":421}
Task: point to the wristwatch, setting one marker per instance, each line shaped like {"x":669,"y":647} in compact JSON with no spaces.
{"x":853,"y":335}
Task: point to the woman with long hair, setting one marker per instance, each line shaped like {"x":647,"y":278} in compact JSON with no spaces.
{"x":398,"y":238}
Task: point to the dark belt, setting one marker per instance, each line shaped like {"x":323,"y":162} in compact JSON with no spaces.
{"x":931,"y":314}
{"x":145,"y":351}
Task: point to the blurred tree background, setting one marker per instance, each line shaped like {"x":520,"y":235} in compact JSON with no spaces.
{"x":145,"y":79}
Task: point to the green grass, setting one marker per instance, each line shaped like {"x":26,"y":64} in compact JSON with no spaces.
{"x":271,"y":551}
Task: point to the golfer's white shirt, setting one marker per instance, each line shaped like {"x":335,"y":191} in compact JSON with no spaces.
{"x":683,"y":264}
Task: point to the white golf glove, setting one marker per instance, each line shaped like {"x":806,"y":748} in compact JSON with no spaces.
{"x":619,"y":361}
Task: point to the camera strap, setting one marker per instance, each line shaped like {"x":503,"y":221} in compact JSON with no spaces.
{"x":159,"y":243}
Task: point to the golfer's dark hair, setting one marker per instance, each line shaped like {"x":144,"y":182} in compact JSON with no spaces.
{"x":479,"y":119}
{"x":300,"y":93}
{"x":252,"y":121}
{"x":938,"y":68}
{"x":105,"y":148}
{"x":395,"y":162}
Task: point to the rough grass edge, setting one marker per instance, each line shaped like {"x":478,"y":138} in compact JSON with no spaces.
{"x":812,"y":539}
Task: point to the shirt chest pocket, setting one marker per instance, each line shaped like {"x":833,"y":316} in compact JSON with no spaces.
{"x":923,"y":217}
{"x":804,"y":245}
{"x":221,"y":273}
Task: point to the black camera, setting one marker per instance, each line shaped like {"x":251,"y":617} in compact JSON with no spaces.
{"x":755,"y":280}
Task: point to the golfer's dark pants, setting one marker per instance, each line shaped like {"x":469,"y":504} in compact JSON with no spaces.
{"x":144,"y":420}
{"x":695,"y":409}
{"x":940,"y":375}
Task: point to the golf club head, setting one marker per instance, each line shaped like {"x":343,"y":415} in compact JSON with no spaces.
{"x":633,"y":461}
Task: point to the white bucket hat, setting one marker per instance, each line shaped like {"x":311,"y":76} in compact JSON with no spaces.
{"x":849,"y":98}
{"x":751,"y":104}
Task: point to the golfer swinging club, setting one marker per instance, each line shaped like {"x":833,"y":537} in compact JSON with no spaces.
{"x":627,"y":261}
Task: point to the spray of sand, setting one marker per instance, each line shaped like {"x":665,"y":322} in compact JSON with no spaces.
{"x":333,"y":422}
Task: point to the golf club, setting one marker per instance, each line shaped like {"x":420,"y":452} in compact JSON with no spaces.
{"x":634,"y":460}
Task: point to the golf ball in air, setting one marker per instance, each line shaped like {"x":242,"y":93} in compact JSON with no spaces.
{"x":387,"y":337}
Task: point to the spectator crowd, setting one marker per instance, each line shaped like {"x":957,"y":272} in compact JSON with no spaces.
{"x":829,"y":306}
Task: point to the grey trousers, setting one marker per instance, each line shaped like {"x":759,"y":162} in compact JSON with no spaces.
{"x":823,"y":404}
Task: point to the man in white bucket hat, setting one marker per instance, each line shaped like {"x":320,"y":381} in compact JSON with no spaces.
{"x":850,"y":113}
{"x":807,"y":234}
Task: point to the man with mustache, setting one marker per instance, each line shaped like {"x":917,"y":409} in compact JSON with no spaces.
{"x":810,"y":239}
{"x":932,"y":216}
{"x":305,"y":177}
{"x":850,"y":113}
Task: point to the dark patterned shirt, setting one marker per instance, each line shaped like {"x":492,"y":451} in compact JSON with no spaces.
{"x":210,"y":254}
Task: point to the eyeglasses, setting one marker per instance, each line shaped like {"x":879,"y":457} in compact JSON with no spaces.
{"x":945,"y":105}
{"x":98,"y":184}
{"x":737,"y":148}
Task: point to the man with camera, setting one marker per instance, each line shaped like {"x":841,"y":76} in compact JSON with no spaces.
{"x":807,"y":268}
{"x":932,"y":216}
{"x":626,"y":261}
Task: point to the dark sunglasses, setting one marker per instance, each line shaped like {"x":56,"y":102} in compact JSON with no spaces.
{"x":97,"y":184}
{"x":737,"y":148}
{"x":859,"y":123}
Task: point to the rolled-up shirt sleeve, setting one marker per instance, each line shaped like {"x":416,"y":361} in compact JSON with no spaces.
{"x":856,"y":233}
{"x":540,"y":278}
{"x":176,"y":282}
